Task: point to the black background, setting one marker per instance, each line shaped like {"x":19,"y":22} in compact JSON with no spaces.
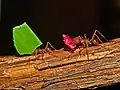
{"x":49,"y":19}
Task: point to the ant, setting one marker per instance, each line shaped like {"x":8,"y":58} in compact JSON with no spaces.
{"x":74,"y":43}
{"x":45,"y":50}
{"x":42,"y":52}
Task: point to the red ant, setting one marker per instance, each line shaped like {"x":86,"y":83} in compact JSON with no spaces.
{"x":42,"y":52}
{"x":45,"y":50}
{"x":73,"y":43}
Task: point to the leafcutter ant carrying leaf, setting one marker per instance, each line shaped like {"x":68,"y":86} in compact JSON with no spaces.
{"x":74,"y":43}
{"x":49,"y":49}
{"x":45,"y":50}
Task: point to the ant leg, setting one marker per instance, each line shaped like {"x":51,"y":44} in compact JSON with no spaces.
{"x":71,"y":52}
{"x":80,"y":50}
{"x":78,"y":41}
{"x":48,"y":43}
{"x":49,"y":51}
{"x":69,"y":56}
{"x":94,"y":34}
{"x":42,"y":54}
{"x":47,"y":48}
{"x":86,"y":45}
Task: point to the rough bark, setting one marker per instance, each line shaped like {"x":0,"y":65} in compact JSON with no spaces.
{"x":58,"y":72}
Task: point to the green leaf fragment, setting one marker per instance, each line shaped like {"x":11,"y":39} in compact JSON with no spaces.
{"x":25,"y":40}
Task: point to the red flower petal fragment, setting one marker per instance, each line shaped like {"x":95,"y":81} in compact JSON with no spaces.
{"x":69,"y":41}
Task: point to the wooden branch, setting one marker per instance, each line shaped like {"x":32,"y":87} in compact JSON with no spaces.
{"x":59,"y":73}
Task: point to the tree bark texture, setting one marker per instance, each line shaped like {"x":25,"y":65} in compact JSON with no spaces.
{"x":62,"y":70}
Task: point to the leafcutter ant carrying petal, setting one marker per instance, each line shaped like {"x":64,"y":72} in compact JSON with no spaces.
{"x":74,"y":43}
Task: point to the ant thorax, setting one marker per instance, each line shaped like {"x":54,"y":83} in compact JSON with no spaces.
{"x":79,"y":40}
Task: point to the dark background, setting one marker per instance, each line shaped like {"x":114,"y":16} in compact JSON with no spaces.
{"x":49,"y":19}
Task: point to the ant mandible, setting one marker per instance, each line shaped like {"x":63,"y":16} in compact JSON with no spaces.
{"x":73,"y":43}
